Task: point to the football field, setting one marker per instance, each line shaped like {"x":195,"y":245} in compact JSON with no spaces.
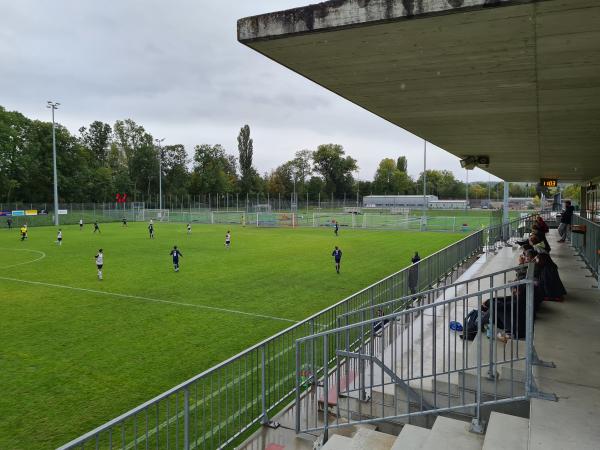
{"x":76,"y":352}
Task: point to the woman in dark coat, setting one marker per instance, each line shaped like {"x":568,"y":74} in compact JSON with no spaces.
{"x":549,"y":280}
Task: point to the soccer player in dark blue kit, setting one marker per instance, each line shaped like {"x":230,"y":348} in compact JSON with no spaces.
{"x":175,"y":253}
{"x":337,"y":255}
{"x":337,"y":228}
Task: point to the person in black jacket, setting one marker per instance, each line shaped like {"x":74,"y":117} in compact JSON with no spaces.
{"x":566,"y":218}
{"x":549,"y":280}
{"x":413,"y":274}
{"x":510,"y":313}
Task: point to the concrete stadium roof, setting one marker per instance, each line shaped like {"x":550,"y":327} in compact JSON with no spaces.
{"x":517,"y":80}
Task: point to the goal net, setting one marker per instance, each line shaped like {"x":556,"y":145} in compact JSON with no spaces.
{"x":349,"y":220}
{"x":273,"y":219}
{"x":228,"y":217}
{"x":393,"y":221}
{"x":157,"y":215}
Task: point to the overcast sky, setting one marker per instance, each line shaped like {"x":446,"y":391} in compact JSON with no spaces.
{"x":177,"y":69}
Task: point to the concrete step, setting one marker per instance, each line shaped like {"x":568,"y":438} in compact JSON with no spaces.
{"x":411,"y":438}
{"x":450,"y":434}
{"x":502,"y":388}
{"x":505,"y":431}
{"x":337,"y":442}
{"x":372,"y":440}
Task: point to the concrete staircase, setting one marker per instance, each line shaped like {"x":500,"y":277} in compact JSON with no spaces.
{"x":503,"y":432}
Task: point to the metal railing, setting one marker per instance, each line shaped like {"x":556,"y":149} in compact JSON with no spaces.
{"x":220,"y":405}
{"x":412,"y":363}
{"x":587,"y":243}
{"x":428,"y":297}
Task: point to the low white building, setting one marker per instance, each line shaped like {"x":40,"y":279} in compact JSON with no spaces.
{"x":395,"y":201}
{"x":448,"y":204}
{"x":411,"y":201}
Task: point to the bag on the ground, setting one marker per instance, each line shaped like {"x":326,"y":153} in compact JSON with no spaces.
{"x":470,"y":326}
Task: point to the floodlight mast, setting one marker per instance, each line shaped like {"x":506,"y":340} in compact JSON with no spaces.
{"x":54,"y":106}
{"x":160,"y":199}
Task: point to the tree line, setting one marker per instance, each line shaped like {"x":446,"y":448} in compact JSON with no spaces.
{"x":102,"y":160}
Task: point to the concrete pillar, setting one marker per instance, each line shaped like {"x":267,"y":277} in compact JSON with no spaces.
{"x":505,"y":207}
{"x":505,"y":216}
{"x":583,"y":200}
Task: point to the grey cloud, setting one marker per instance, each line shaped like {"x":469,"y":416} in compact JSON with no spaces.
{"x":176,"y":68}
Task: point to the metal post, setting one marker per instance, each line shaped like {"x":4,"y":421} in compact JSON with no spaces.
{"x":306,"y":202}
{"x":424,"y":219}
{"x":160,"y":200}
{"x":53,"y":106}
{"x":298,"y":389}
{"x":186,"y":418}
{"x":264,"y":418}
{"x":529,"y":337}
{"x":294,"y":199}
{"x":467,"y":190}
{"x":505,"y":216}
{"x":325,"y":389}
{"x":476,"y":425}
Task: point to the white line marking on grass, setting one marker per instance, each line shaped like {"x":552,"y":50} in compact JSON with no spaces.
{"x":27,"y":262}
{"x":148,"y":299}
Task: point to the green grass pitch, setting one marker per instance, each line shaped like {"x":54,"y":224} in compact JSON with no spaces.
{"x":74,"y":354}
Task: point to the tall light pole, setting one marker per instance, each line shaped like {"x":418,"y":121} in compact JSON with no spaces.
{"x":160,"y":199}
{"x":294,"y":204}
{"x":54,"y":106}
{"x":425,"y":205}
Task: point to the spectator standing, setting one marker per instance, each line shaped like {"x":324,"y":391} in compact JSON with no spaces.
{"x":413,"y":274}
{"x":565,"y":221}
{"x":416,"y":258}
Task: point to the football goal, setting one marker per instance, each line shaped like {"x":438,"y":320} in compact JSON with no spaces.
{"x":228,"y":217}
{"x":158,"y":215}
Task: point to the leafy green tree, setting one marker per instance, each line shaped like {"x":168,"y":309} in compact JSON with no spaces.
{"x":281,"y":180}
{"x":316,"y":186}
{"x":137,"y":148}
{"x":443,"y":184}
{"x":572,"y":192}
{"x":249,"y":177}
{"x":213,"y":171}
{"x":336,"y":169}
{"x":14,"y":127}
{"x":97,"y":139}
{"x":477,"y":191}
{"x":390,"y":180}
{"x":176,"y":176}
{"x":401,"y":164}
{"x":302,"y":168}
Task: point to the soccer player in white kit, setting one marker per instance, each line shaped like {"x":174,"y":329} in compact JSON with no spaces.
{"x":228,"y":239}
{"x":59,"y":237}
{"x":189,"y":228}
{"x":99,"y":263}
